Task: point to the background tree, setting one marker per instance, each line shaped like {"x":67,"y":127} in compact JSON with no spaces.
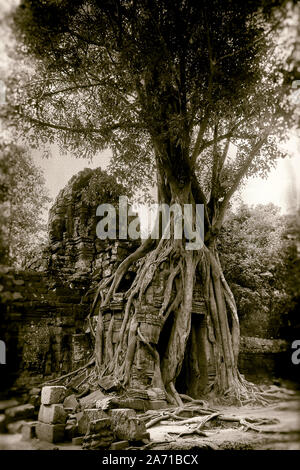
{"x":167,"y":85}
{"x":260,"y":264}
{"x":23,"y":201}
{"x":289,"y":276}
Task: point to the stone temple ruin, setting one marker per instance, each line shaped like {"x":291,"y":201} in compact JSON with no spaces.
{"x":45,"y":307}
{"x":47,"y":334}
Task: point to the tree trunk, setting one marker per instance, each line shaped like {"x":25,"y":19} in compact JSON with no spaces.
{"x":160,"y":319}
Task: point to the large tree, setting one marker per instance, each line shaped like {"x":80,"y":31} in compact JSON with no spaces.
{"x":255,"y":263}
{"x":169,"y":86}
{"x":24,"y":200}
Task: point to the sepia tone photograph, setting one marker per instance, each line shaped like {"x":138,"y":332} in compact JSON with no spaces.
{"x":149,"y":227}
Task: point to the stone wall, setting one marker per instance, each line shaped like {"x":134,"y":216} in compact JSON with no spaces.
{"x":75,"y":255}
{"x":40,"y":325}
{"x":44,"y":308}
{"x":265,"y":360}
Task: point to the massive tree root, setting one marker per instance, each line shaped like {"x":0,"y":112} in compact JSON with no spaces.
{"x":203,"y":422}
{"x":117,"y":362}
{"x":113,"y":361}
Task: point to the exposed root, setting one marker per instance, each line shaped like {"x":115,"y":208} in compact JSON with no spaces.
{"x":197,"y":423}
{"x":251,"y":423}
{"x":193,"y":400}
{"x":114,"y":360}
{"x":197,"y":419}
{"x":158,"y":419}
{"x":70,"y":374}
{"x":193,"y":431}
{"x":116,"y":278}
{"x":174,"y":415}
{"x":175,"y":394}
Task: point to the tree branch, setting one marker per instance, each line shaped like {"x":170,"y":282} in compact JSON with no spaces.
{"x":259,"y":39}
{"x":200,"y":198}
{"x":227,"y":135}
{"x":199,"y":139}
{"x":240,"y":174}
{"x":71,"y":88}
{"x":215,"y":167}
{"x":225,"y":153}
{"x":80,"y":130}
{"x":208,"y":143}
{"x":204,"y":122}
{"x":82,"y":38}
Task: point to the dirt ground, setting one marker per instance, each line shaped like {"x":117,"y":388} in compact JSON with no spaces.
{"x":284,"y":435}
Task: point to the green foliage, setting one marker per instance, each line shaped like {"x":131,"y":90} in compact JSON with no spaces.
{"x":288,"y":275}
{"x":259,"y":257}
{"x":251,"y":243}
{"x":138,"y":75}
{"x":23,"y":198}
{"x":101,"y":187}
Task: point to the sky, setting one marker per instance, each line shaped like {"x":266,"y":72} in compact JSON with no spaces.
{"x":282,"y":186}
{"x":58,"y":170}
{"x":277,"y":188}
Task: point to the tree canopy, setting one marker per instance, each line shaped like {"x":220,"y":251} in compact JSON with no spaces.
{"x":23,"y":198}
{"x":261,"y":264}
{"x":137,"y":75}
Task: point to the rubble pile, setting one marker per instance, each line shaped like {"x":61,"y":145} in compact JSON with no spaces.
{"x":62,"y":417}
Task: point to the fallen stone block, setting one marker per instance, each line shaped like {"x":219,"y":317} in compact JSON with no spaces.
{"x":120,"y":445}
{"x":105,"y":403}
{"x":5,"y":404}
{"x":126,"y":425}
{"x":87,"y":416}
{"x":29,"y":431}
{"x":99,"y":426}
{"x":120,"y":414}
{"x":50,"y":432}
{"x":53,"y":395}
{"x":71,"y":403}
{"x":96,"y":441}
{"x":156,"y":404}
{"x":89,"y":401}
{"x":137,"y":393}
{"x":20,"y":412}
{"x":109,"y":384}
{"x":77,"y":441}
{"x":133,"y":403}
{"x":52,"y":414}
